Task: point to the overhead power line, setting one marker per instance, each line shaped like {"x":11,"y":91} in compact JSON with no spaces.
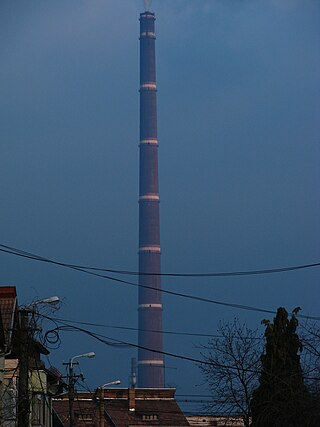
{"x":82,"y":269}
{"x":108,"y":340}
{"x":127,"y":328}
{"x":25,"y":254}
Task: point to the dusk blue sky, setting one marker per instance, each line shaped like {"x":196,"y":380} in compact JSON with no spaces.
{"x":239,"y":129}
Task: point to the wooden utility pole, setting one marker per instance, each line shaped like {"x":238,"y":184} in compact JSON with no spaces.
{"x":71,"y":394}
{"x":23,"y":389}
{"x":71,"y":383}
{"x":101,"y":407}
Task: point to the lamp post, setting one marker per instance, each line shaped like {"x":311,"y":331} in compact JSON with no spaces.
{"x":101,"y":400}
{"x":72,"y":383}
{"x":26,"y":337}
{"x":50,"y":300}
{"x":111,"y":383}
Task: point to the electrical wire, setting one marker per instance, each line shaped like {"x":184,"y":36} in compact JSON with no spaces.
{"x":25,"y":254}
{"x":56,"y":338}
{"x":102,"y":338}
{"x":127,"y":328}
{"x":106,"y":340}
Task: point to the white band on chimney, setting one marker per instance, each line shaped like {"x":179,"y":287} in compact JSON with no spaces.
{"x":149,"y":85}
{"x":150,"y":305}
{"x":148,"y":34}
{"x":148,"y":14}
{"x":152,"y":141}
{"x":153,"y":248}
{"x":150,"y":362}
{"x":150,"y":197}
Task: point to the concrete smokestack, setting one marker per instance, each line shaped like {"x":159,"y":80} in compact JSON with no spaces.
{"x":150,"y":363}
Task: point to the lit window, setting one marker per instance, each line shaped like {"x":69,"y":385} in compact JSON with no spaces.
{"x":85,"y":417}
{"x":150,"y":417}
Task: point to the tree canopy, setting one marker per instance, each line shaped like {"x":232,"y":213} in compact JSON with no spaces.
{"x":282,"y":399}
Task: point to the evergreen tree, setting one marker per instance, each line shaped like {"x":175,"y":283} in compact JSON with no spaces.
{"x":281,"y":399}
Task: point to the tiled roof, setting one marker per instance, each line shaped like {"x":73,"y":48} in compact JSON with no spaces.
{"x":8,"y":310}
{"x":153,"y":407}
{"x":87,"y":408}
{"x":2,"y":337}
{"x":147,"y":412}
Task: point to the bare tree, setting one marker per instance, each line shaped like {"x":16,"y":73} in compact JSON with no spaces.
{"x":231,"y":368}
{"x":309,"y":333}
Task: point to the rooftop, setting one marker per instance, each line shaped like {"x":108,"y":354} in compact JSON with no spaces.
{"x":8,"y":311}
{"x":123,"y":407}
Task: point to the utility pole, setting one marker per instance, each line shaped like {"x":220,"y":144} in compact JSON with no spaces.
{"x":71,"y":383}
{"x":23,"y":390}
{"x":26,"y":353}
{"x":71,"y":394}
{"x":2,"y":358}
{"x":72,"y":378}
{"x":101,"y":407}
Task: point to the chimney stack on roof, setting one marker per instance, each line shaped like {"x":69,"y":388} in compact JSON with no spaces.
{"x":132,"y":399}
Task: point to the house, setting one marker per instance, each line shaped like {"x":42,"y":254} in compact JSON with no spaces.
{"x":121,"y":407}
{"x":16,"y":358}
{"x":8,"y":355}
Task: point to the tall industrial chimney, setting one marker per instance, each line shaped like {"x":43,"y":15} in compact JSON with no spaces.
{"x":150,"y":363}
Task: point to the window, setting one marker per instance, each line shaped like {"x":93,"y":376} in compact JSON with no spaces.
{"x":150,"y":417}
{"x":85,"y":417}
{"x":10,"y":404}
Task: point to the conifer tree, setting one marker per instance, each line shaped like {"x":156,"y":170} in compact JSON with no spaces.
{"x":281,"y":399}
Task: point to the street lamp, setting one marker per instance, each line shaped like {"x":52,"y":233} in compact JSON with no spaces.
{"x":101,"y":400}
{"x":90,"y":355}
{"x":50,"y":300}
{"x":72,"y":382}
{"x":115,"y":382}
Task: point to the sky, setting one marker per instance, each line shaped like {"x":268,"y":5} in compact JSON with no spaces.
{"x":238,"y":118}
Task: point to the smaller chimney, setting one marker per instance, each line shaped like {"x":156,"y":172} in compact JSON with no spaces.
{"x":133,"y":372}
{"x":132,"y":399}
